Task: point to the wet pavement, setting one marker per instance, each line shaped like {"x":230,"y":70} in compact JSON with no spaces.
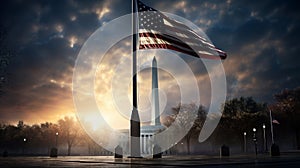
{"x":285,"y":160}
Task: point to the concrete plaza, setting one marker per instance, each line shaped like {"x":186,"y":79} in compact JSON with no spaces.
{"x":285,"y":160}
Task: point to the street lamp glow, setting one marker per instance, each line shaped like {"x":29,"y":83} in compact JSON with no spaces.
{"x":56,"y":133}
{"x":265,"y":141}
{"x":24,"y":139}
{"x":254,"y":129}
{"x":245,"y":142}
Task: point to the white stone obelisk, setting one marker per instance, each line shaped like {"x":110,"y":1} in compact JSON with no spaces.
{"x":155,"y":116}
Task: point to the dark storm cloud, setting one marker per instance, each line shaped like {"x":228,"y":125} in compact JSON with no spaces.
{"x":262,"y":39}
{"x":30,"y":88}
{"x":250,"y":32}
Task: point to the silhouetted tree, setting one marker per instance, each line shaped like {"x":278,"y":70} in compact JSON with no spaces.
{"x":70,"y":132}
{"x":239,"y":115}
{"x":237,"y":107}
{"x":185,"y":121}
{"x":48,"y":131}
{"x":40,"y":137}
{"x":288,"y":106}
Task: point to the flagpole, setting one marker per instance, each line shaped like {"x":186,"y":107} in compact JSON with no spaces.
{"x":135,"y":119}
{"x":271,"y":124}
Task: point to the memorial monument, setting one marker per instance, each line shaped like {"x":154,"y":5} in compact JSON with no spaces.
{"x":155,"y":127}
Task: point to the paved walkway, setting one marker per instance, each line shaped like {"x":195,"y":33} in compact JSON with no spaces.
{"x":285,"y":160}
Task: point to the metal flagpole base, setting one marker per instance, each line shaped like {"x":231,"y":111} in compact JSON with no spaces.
{"x":135,"y":151}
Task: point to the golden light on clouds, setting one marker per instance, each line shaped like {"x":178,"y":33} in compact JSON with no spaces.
{"x":73,"y":41}
{"x":56,"y":108}
{"x":102,"y":12}
{"x":181,"y":5}
{"x":59,"y":28}
{"x":113,"y":86}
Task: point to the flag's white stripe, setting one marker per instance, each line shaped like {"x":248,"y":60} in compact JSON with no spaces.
{"x":192,"y":42}
{"x":207,"y":53}
{"x":166,"y":22}
{"x":174,"y":23}
{"x":188,"y":38}
{"x":147,"y":31}
{"x":181,"y":36}
{"x":170,"y":33}
{"x":151,"y":41}
{"x":146,"y":42}
{"x":189,"y":50}
{"x":183,"y":29}
{"x":169,"y":37}
{"x":219,"y":50}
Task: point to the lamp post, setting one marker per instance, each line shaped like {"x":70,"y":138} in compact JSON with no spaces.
{"x":53,"y":152}
{"x":245,"y":142}
{"x":56,"y":136}
{"x":255,"y":140}
{"x":24,"y":140}
{"x":274,"y":148}
{"x":265,"y":140}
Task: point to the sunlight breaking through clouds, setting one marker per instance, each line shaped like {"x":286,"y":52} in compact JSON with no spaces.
{"x":73,"y":41}
{"x":102,"y":12}
{"x":259,"y":37}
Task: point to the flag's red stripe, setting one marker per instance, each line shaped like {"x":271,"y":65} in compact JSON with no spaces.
{"x":171,"y":47}
{"x":185,"y":48}
{"x":165,"y":38}
{"x":182,"y":46}
{"x":177,"y":40}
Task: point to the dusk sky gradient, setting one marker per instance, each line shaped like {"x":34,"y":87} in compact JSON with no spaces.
{"x":43,"y":39}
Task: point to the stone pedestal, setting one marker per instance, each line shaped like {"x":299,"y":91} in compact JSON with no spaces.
{"x":53,"y":152}
{"x":157,"y":151}
{"x":275,"y":150}
{"x":5,"y":154}
{"x":224,"y":151}
{"x":118,"y":152}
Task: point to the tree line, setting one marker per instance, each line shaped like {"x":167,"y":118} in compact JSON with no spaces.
{"x":24,"y":139}
{"x":239,"y":115}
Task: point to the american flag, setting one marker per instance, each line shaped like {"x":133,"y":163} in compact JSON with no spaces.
{"x":157,"y":31}
{"x":275,"y":122}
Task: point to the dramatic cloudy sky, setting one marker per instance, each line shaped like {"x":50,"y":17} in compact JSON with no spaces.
{"x":40,"y":41}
